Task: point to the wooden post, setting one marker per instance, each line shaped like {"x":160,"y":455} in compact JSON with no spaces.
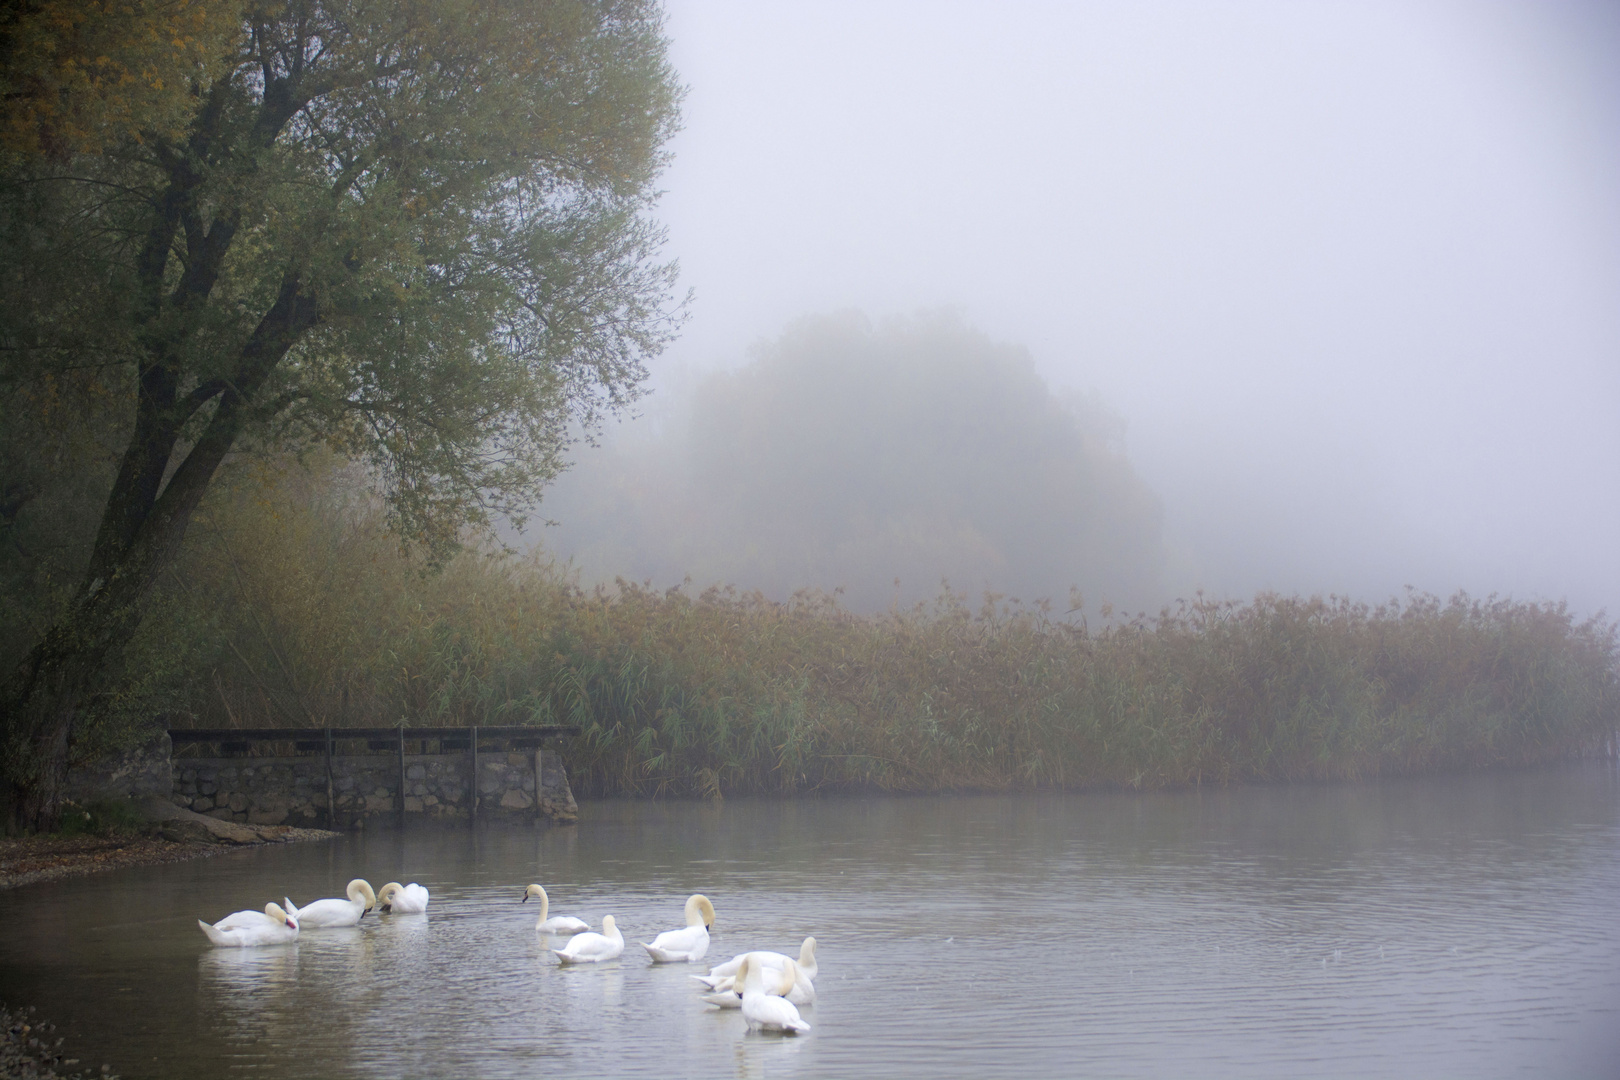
{"x":402,"y":774}
{"x":539,"y":759}
{"x":472,"y":805}
{"x":331,"y":803}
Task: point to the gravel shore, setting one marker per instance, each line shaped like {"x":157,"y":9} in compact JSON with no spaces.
{"x":31,"y":1050}
{"x":28,"y":859}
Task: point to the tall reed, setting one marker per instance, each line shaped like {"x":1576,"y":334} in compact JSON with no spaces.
{"x":294,"y":607}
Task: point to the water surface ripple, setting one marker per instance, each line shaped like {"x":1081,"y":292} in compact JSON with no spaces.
{"x":1460,"y":926}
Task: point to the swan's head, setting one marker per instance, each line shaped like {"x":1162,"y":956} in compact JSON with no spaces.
{"x":807,"y":951}
{"x":609,"y":926}
{"x":359,"y":891}
{"x":385,"y":895}
{"x":287,"y":918}
{"x":534,"y":890}
{"x":699,"y":911}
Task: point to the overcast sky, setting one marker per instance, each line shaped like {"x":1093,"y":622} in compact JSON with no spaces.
{"x":1350,"y":271}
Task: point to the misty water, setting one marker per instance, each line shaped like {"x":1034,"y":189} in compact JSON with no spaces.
{"x":1460,"y":926}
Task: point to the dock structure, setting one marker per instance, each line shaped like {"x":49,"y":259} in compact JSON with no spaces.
{"x":268,"y":775}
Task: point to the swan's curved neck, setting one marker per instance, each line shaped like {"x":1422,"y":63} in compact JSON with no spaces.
{"x":699,"y":912}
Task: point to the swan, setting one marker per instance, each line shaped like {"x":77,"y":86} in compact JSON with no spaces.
{"x":691,"y":941}
{"x":400,"y":899}
{"x":318,"y":914}
{"x":557,"y":924}
{"x":591,"y":948}
{"x":723,"y":978}
{"x":807,"y":963}
{"x":272,"y":926}
{"x":803,"y":991}
{"x":761,"y":1006}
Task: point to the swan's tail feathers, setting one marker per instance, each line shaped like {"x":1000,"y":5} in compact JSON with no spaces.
{"x":659,"y":955}
{"x":563,"y":957}
{"x":798,"y":1025}
{"x":213,"y":935}
{"x":727,"y":1000}
{"x":710,"y":981}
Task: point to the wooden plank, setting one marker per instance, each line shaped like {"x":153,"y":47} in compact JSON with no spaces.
{"x":204,"y":735}
{"x":331,"y":803}
{"x":402,"y":774}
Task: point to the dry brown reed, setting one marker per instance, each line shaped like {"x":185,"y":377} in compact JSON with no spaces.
{"x":294,"y":607}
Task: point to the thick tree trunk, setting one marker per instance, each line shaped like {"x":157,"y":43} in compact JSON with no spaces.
{"x":61,"y":677}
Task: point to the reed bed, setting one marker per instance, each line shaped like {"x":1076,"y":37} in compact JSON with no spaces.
{"x":314,"y":617}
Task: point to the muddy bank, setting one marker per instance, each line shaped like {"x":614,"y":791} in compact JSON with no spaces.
{"x":28,"y":859}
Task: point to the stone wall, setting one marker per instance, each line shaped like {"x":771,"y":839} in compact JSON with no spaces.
{"x":292,"y":790}
{"x":365,"y":787}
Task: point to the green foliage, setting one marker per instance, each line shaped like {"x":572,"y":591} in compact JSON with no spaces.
{"x":847,"y":455}
{"x":415,"y":233}
{"x":319,"y":620}
{"x":104,"y":817}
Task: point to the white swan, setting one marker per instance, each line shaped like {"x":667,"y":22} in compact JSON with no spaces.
{"x":556,"y":924}
{"x":591,"y":948}
{"x":691,"y":941}
{"x":723,"y":978}
{"x":762,"y":1006}
{"x":272,"y":926}
{"x":400,"y":899}
{"x":807,"y":961}
{"x":318,"y":914}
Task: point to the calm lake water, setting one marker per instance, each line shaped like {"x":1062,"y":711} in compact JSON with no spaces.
{"x":1461,"y":926}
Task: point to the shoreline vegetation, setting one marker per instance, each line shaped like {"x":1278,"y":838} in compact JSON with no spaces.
{"x":293,"y":605}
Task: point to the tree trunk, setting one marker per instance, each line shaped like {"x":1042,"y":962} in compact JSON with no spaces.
{"x":62,"y":676}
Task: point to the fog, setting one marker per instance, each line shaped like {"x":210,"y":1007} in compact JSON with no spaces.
{"x":1349,"y":274}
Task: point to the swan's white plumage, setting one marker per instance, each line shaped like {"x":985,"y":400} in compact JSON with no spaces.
{"x":319,"y":914}
{"x":761,"y":1006}
{"x":555,"y":924}
{"x":400,"y":899}
{"x":589,"y":948}
{"x":691,"y":941}
{"x":723,"y":977}
{"x":807,"y":961}
{"x":272,"y":926}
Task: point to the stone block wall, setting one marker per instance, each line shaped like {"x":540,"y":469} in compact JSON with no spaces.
{"x":292,"y":790}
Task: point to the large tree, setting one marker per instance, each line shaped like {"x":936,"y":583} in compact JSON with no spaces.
{"x":415,"y":231}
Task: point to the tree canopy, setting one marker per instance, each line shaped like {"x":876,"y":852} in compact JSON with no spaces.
{"x":416,"y":232}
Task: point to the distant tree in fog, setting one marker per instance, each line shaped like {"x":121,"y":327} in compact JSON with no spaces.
{"x":848,"y":454}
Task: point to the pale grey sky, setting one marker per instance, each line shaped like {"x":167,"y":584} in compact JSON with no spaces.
{"x":1351,"y":271}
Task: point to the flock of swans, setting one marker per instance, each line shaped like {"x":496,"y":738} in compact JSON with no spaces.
{"x":767,"y":986}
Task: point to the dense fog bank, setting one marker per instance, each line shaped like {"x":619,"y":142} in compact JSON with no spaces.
{"x":878,"y":458}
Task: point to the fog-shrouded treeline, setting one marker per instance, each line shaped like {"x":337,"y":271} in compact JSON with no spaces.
{"x":293,"y":604}
{"x":874,"y":459}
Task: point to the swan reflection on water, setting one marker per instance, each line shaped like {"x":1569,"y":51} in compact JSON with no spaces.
{"x":225,"y":972}
{"x":245,"y":989}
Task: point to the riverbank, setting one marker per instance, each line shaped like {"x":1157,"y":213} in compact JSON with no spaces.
{"x":30,"y":1050}
{"x":30,"y":859}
